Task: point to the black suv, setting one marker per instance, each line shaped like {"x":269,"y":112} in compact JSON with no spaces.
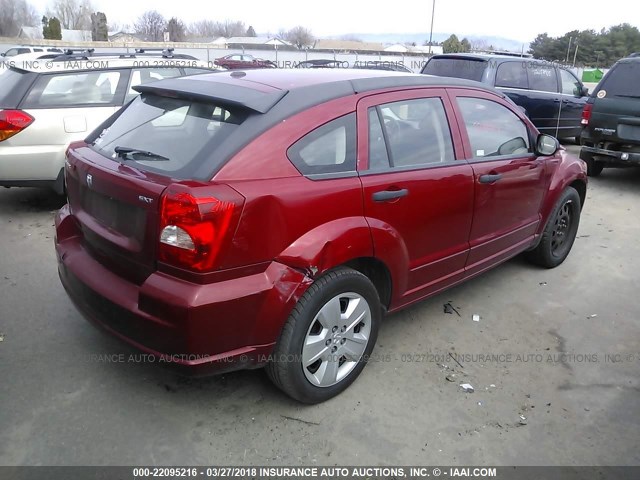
{"x":551,"y":95}
{"x":611,"y":119}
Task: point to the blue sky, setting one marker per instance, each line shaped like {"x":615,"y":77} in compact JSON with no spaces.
{"x":509,"y":19}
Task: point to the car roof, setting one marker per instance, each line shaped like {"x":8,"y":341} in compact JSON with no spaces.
{"x":52,"y":62}
{"x":261,"y":89}
{"x":25,"y":57}
{"x":633,"y":58}
{"x":487,"y":56}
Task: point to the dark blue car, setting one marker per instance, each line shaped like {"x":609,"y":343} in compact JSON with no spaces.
{"x":552,"y":96}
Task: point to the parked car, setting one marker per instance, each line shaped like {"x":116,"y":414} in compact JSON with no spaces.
{"x":47,"y":103}
{"x":25,"y":58}
{"x":611,"y":119}
{"x":234,"y":221}
{"x":382,"y":65}
{"x":21,"y":50}
{"x":237,"y":61}
{"x":551,"y":95}
{"x":322,"y":63}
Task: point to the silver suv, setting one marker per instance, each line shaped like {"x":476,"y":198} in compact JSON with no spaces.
{"x":45,"y":104}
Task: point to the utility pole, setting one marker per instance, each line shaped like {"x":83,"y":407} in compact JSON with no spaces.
{"x":575,"y":54}
{"x":568,"y":50}
{"x":433,"y":11}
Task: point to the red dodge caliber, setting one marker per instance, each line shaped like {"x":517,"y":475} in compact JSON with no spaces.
{"x":271,"y":218}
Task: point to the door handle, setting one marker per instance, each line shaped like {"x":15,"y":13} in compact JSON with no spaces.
{"x":386,"y":195}
{"x":490,"y":178}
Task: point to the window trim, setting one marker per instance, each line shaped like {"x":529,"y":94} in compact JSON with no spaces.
{"x":351,"y":131}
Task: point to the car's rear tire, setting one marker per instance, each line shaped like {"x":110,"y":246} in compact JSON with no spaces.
{"x":559,"y":232}
{"x":328,"y":337}
{"x":594,"y":168}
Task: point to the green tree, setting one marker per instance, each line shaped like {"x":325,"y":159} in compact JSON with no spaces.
{"x":51,"y":29}
{"x":251,"y":32}
{"x":451,"y":45}
{"x":465,"y":45}
{"x":588,"y":47}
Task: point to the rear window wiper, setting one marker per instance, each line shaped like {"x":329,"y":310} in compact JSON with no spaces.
{"x":128,"y":153}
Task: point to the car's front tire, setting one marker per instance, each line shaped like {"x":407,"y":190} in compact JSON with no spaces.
{"x":328,"y":337}
{"x":559,"y":232}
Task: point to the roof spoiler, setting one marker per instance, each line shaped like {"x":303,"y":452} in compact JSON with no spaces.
{"x":228,"y":94}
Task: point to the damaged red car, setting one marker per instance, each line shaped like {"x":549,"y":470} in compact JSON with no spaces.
{"x":271,"y":218}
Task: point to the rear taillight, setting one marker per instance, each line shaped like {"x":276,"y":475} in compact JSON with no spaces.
{"x":586,"y":114}
{"x":194,"y":224}
{"x":12,"y":122}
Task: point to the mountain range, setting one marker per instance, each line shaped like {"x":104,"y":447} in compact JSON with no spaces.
{"x":499,"y":43}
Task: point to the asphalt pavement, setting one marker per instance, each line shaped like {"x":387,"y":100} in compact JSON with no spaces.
{"x":554,"y":361}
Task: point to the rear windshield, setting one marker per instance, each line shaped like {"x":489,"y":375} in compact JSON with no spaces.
{"x":469,"y":68}
{"x":623,"y":80}
{"x":9,"y":80}
{"x":170,"y":136}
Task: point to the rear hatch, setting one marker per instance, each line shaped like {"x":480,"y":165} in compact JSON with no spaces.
{"x":469,"y":68}
{"x":116,"y":180}
{"x":615,"y":116}
{"x":116,"y":207}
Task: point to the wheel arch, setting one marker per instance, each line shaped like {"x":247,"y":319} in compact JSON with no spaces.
{"x":378,"y":273}
{"x":569,"y":173}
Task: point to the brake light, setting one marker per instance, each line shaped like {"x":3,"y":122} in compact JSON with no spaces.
{"x":12,"y":122}
{"x":193,"y":228}
{"x":586,"y":114}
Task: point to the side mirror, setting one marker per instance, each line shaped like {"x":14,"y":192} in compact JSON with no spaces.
{"x":584,"y":91}
{"x":2,"y":54}
{"x":546,"y":145}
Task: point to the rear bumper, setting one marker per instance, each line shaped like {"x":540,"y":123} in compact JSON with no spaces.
{"x":30,"y":163}
{"x":213,"y":328}
{"x":610,"y":156}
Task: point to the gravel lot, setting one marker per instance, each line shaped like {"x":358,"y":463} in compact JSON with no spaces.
{"x":559,"y":382}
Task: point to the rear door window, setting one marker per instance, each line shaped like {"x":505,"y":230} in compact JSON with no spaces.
{"x":542,"y":78}
{"x":171,"y":136}
{"x":416,"y":133}
{"x":469,"y":68}
{"x":512,"y":75}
